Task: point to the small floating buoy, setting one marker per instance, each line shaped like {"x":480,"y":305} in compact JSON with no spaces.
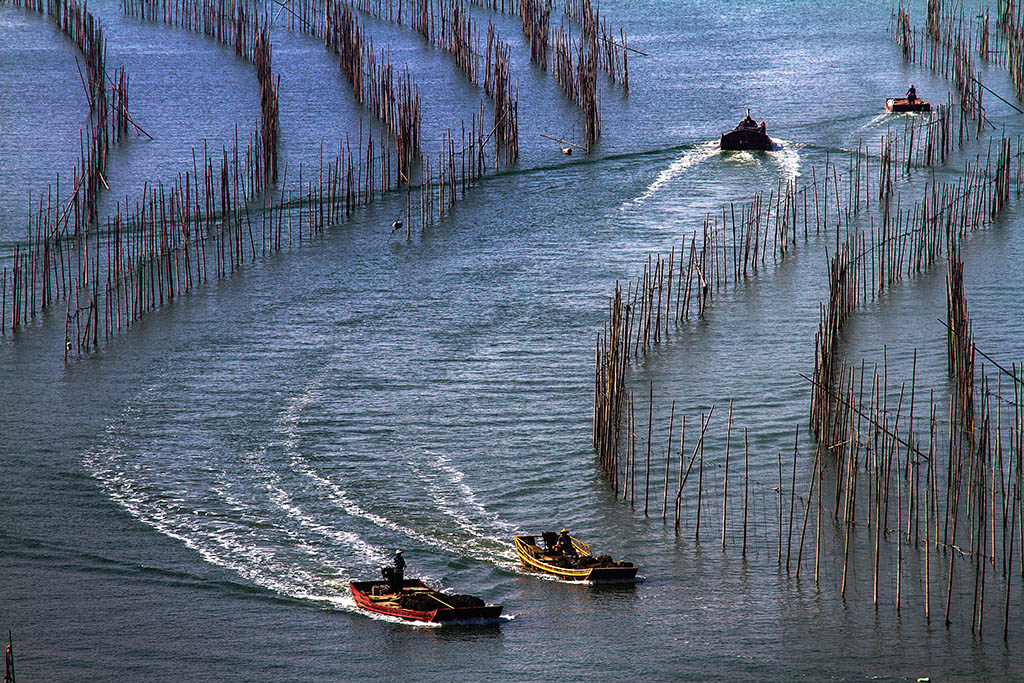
{"x":567,"y":151}
{"x":397,"y":225}
{"x":925,"y":679}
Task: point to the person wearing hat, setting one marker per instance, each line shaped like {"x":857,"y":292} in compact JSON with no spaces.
{"x":399,"y":574}
{"x":395,"y":574}
{"x":564,"y":544}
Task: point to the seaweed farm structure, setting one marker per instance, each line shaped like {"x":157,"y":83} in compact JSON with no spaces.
{"x":930,"y":495}
{"x":237,"y":202}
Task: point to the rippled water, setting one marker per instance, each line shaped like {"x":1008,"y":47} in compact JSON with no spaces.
{"x":190,"y":501}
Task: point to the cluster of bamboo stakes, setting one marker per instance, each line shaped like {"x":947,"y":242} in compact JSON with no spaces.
{"x":391,"y":95}
{"x":1010,"y":21}
{"x":449,"y":25}
{"x":905,"y":243}
{"x":948,"y":45}
{"x":536,"y":16}
{"x":238,"y":24}
{"x":612,"y":56}
{"x":457,"y":166}
{"x":578,"y":78}
{"x":948,"y":531}
{"x":55,"y":231}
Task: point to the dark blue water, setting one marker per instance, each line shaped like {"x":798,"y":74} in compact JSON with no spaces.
{"x":190,"y":501}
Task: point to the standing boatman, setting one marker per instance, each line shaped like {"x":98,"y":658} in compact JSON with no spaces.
{"x":399,"y":574}
{"x":395,"y":574}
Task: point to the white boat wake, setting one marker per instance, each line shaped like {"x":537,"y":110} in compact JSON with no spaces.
{"x":688,"y":159}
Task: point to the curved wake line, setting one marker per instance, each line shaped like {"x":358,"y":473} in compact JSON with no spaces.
{"x":466,"y":494}
{"x":373,"y":554}
{"x":221,"y":547}
{"x":222,"y":542}
{"x":690,"y":158}
{"x":340,"y":497}
{"x":482,"y":545}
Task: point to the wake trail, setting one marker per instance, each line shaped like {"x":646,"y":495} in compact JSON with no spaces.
{"x":688,"y":159}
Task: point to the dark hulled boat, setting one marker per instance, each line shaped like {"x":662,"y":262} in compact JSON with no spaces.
{"x":747,"y":136}
{"x":419,"y":602}
{"x":899,"y":105}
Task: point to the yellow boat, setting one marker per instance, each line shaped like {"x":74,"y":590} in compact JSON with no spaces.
{"x":546,"y":561}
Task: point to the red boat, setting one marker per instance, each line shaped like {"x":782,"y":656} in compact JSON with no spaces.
{"x":419,"y":602}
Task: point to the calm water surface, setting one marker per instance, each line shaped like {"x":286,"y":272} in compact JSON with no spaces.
{"x":189,"y":502}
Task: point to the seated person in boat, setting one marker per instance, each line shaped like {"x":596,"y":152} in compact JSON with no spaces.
{"x":911,"y":94}
{"x":564,"y":544}
{"x":395,"y":574}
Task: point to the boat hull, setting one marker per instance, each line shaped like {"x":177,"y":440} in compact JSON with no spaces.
{"x":533,"y":562}
{"x":900,"y":105}
{"x":746,"y":139}
{"x":362,"y":593}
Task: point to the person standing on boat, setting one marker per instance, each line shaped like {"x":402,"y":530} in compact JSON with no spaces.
{"x":911,"y":94}
{"x":395,"y":574}
{"x":762,"y":129}
{"x":399,"y":574}
{"x":564,"y":544}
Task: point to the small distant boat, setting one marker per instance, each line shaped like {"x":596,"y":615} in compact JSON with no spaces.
{"x":419,"y":602}
{"x":546,"y":560}
{"x":899,"y":105}
{"x":747,"y":136}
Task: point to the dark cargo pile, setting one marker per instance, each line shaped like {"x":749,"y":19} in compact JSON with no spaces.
{"x":589,"y":562}
{"x":586,"y":562}
{"x":422,"y":602}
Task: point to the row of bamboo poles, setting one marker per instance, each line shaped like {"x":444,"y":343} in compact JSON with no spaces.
{"x":930,"y":506}
{"x":612,"y":56}
{"x":947,"y":45}
{"x":60,"y":227}
{"x":904,"y":243}
{"x":449,"y":25}
{"x":239,"y":24}
{"x":578,"y":78}
{"x":919,"y":523}
{"x":1010,"y":21}
{"x":390,"y":94}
